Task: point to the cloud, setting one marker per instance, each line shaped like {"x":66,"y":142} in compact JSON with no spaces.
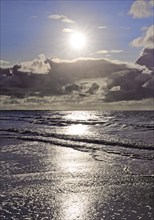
{"x":102,"y":51}
{"x":66,"y":20}
{"x":142,"y":9}
{"x":146,"y":58}
{"x":146,"y":40}
{"x":93,"y":88}
{"x":57,"y":17}
{"x":78,"y":81}
{"x":116,"y":51}
{"x":4,"y":63}
{"x":35,"y":66}
{"x":62,"y":18}
{"x":129,"y":85}
{"x":109,"y":51}
{"x":102,"y":27}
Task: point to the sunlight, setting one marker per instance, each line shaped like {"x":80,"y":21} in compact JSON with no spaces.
{"x":80,"y":116}
{"x":78,"y":129}
{"x":75,"y":207}
{"x":80,"y":122}
{"x":77,"y":40}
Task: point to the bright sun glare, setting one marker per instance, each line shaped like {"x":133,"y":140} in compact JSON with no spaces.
{"x":77,"y":40}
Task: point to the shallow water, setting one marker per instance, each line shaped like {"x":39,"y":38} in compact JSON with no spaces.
{"x":128,"y":132}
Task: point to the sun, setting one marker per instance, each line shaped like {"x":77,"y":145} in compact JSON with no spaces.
{"x":77,"y":40}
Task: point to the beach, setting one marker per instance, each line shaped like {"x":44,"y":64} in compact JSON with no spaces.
{"x":45,"y":181}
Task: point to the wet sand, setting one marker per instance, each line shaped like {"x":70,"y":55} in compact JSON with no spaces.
{"x":42,"y":181}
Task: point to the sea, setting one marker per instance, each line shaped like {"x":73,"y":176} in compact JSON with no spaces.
{"x":128,"y":133}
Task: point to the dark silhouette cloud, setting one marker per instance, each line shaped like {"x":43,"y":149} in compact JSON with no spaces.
{"x":130,"y":85}
{"x":146,"y":58}
{"x":85,"y":78}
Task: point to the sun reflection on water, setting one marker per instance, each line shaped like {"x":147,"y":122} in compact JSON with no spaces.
{"x":80,"y":116}
{"x":78,"y":129}
{"x":79,"y":121}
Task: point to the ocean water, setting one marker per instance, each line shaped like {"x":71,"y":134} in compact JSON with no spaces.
{"x":128,"y":133}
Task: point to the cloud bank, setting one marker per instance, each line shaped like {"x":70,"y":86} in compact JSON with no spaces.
{"x":84,"y":81}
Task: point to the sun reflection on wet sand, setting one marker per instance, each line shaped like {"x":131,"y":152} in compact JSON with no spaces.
{"x":74,"y":207}
{"x":70,"y":185}
{"x":72,"y":167}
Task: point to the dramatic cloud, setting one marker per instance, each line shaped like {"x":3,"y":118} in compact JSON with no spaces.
{"x":62,"y":18}
{"x":35,"y":66}
{"x":142,"y":9}
{"x":146,"y":58}
{"x":84,"y":80}
{"x":146,"y":40}
{"x":129,"y":85}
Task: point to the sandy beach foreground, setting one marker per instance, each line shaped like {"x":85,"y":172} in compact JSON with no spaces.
{"x":42,"y":181}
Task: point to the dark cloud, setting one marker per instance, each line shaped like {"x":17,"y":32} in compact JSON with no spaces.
{"x":146,"y":41}
{"x":72,"y":87}
{"x":85,"y":68}
{"x":77,"y":80}
{"x":130,"y":85}
{"x":93,"y":88}
{"x":146,"y":58}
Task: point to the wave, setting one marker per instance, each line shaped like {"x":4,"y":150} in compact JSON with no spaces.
{"x":57,"y":120}
{"x":40,"y":136}
{"x":115,"y":132}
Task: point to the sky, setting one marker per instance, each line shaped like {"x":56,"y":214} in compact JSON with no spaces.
{"x":115,"y":30}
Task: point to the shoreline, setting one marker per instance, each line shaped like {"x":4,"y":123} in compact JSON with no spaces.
{"x":51,"y":182}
